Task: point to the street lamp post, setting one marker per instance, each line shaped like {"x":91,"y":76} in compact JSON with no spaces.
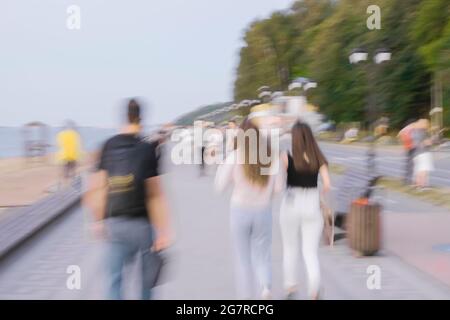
{"x":302,"y":85}
{"x":381,"y":56}
{"x":264,"y":94}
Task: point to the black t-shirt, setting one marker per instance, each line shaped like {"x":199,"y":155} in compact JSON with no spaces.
{"x":300,"y":179}
{"x":129,"y":161}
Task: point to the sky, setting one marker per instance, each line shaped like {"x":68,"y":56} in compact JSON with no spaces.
{"x":177,"y":55}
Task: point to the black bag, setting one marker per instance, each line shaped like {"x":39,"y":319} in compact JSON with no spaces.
{"x":158,"y":264}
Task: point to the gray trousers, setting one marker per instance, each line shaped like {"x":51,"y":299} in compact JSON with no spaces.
{"x":251,"y":231}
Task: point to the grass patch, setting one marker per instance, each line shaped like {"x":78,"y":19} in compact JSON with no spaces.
{"x":336,"y":168}
{"x":437,"y":196}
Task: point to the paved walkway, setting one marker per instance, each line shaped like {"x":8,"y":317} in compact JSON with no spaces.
{"x":202,"y":265}
{"x":422,"y":239}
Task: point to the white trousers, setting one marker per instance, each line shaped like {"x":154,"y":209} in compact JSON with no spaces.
{"x":300,"y":214}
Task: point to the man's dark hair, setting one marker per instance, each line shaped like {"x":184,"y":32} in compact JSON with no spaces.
{"x":134,"y":112}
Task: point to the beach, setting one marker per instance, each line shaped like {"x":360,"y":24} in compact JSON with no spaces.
{"x":25,"y":181}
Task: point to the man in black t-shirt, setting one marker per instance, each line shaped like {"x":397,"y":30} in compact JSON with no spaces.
{"x":129,"y":205}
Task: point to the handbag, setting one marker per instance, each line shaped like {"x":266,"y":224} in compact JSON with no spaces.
{"x":328,"y":218}
{"x":157,"y":264}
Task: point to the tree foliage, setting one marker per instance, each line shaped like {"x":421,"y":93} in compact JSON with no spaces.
{"x":314,"y":38}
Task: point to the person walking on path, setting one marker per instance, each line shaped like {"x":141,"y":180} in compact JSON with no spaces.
{"x":69,"y":143}
{"x":230,"y":136}
{"x":202,"y":151}
{"x":129,"y":205}
{"x":300,"y":209}
{"x":406,"y":138}
{"x":251,"y":209}
{"x":423,"y":159}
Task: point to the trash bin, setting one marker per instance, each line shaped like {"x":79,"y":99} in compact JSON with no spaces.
{"x":364,"y":227}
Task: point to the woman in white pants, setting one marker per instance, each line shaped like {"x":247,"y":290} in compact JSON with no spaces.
{"x":300,"y":209}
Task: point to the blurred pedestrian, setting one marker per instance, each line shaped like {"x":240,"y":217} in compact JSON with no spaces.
{"x":214,"y":145}
{"x":251,"y":209}
{"x":202,"y":150}
{"x":423,"y":158}
{"x":405,"y":135}
{"x":129,"y":205}
{"x":69,"y":144}
{"x":230,"y":136}
{"x":300,"y":209}
{"x":160,"y":144}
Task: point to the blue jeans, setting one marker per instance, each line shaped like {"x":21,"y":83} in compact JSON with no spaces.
{"x":127,"y":238}
{"x":251,"y":231}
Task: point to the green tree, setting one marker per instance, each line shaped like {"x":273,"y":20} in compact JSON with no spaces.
{"x":315,"y":37}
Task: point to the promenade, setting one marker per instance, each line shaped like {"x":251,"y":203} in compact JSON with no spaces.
{"x":201,"y":259}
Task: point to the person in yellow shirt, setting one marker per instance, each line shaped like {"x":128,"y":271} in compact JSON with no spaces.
{"x":69,"y":144}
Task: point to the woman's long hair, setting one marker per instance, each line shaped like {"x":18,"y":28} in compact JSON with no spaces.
{"x":305,"y":151}
{"x":248,"y":142}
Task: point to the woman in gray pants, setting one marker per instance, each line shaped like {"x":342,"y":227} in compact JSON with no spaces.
{"x":251,"y":209}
